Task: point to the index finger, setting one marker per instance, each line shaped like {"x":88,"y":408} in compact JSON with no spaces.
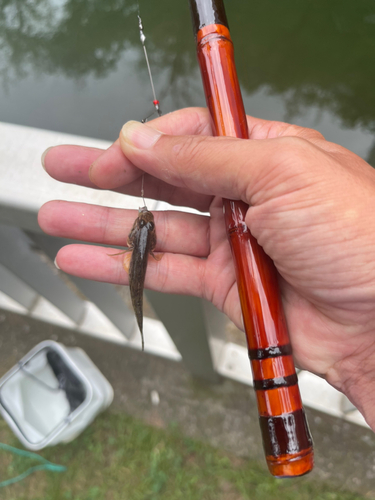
{"x":112,"y":169}
{"x":71,"y":164}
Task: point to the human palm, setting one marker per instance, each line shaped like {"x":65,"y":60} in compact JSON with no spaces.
{"x":310,"y":209}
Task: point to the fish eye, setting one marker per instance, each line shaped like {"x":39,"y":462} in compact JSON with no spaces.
{"x":142,"y":223}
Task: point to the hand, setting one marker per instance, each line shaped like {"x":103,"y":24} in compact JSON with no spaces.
{"x":311,"y":209}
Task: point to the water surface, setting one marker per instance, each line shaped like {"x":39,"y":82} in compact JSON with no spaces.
{"x":77,"y":66}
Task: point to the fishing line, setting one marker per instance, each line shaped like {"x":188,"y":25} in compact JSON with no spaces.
{"x":155,"y":101}
{"x":142,"y":190}
{"x":143,"y":39}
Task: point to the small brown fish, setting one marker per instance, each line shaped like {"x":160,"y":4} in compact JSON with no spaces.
{"x":141,"y":242}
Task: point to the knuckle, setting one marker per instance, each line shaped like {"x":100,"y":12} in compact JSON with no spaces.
{"x":314,"y":134}
{"x":303,"y":132}
{"x":189,"y":158}
{"x":292,"y":154}
{"x":293,"y":145}
{"x":189,"y":150}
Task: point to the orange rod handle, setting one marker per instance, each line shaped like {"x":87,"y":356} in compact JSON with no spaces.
{"x":286,"y":436}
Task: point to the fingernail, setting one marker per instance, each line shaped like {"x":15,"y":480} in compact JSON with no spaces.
{"x":92,"y":166}
{"x":139,"y":135}
{"x":44,"y":156}
{"x":56,"y":263}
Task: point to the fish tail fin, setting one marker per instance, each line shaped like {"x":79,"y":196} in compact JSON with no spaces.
{"x":140,"y":326}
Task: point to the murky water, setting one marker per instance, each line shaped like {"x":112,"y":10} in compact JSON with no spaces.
{"x":77,"y":66}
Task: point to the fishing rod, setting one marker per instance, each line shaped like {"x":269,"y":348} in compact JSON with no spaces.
{"x":286,"y":437}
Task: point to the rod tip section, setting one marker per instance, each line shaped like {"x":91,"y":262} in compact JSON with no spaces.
{"x":289,"y":466}
{"x":206,"y":12}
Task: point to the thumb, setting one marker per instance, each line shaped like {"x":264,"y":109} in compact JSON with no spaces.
{"x":222,"y":166}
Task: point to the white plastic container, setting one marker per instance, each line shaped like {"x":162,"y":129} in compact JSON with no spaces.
{"x":52,"y":395}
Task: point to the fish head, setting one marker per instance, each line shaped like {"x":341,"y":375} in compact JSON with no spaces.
{"x":145,"y":219}
{"x":143,"y":227}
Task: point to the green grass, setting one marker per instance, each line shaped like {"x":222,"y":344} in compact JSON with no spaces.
{"x":121,"y":458}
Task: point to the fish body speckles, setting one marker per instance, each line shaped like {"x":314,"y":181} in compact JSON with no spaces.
{"x":142,"y":242}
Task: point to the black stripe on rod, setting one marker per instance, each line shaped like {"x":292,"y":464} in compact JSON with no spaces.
{"x":206,"y":12}
{"x":275,"y":383}
{"x":285,"y":434}
{"x":270,"y":352}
